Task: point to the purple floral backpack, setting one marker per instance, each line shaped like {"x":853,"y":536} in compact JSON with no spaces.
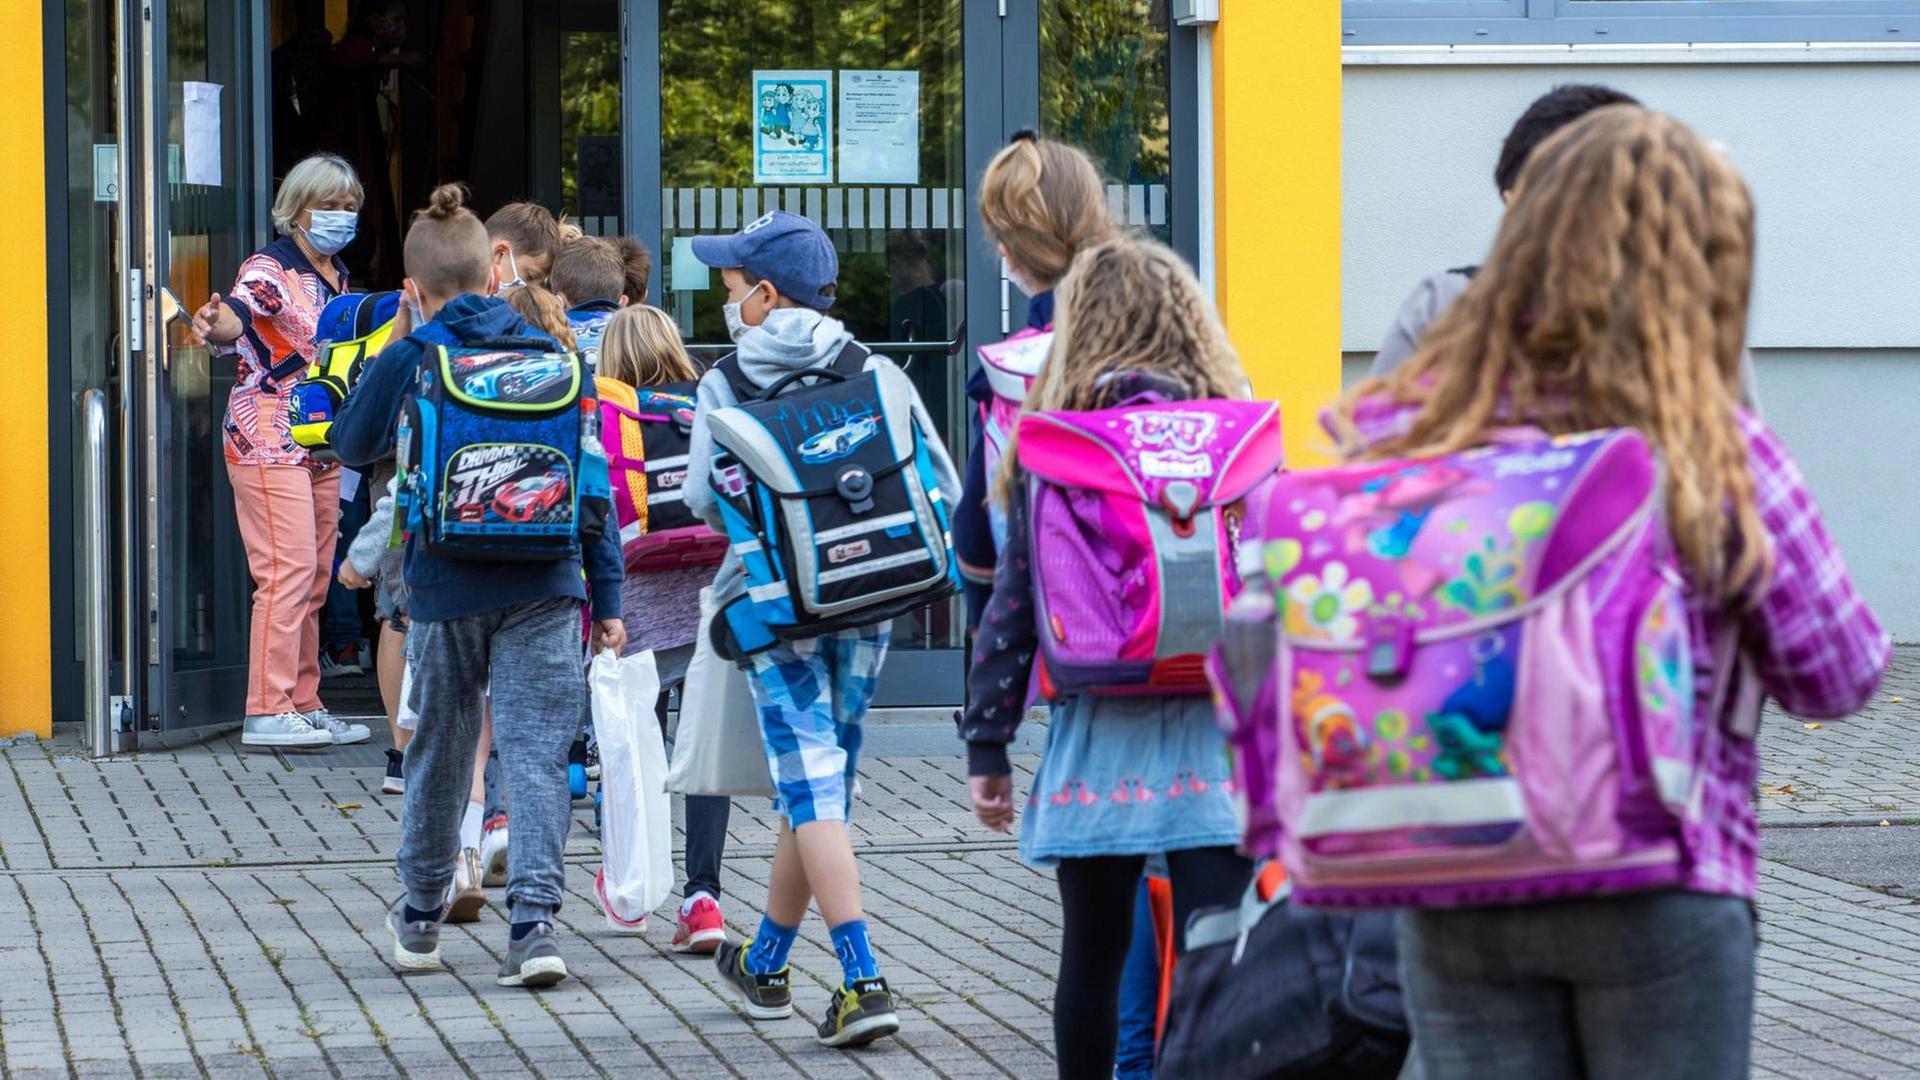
{"x":1135,"y":514}
{"x":1469,"y":679}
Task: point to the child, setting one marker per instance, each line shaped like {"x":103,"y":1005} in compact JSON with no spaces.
{"x":522,"y":238}
{"x":638,"y":262}
{"x":1641,"y":324}
{"x":1131,"y":317}
{"x":514,"y":626}
{"x":780,"y":274}
{"x":590,"y":278}
{"x":641,"y":347}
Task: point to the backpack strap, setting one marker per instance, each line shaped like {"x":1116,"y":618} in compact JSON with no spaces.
{"x":519,"y":342}
{"x":1736,"y":699}
{"x":851,"y":360}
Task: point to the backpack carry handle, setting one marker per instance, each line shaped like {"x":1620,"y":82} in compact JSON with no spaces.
{"x":791,"y":377}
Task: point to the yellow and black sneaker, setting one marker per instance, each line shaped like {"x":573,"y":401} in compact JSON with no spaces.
{"x":859,"y":1014}
{"x":768,"y":996}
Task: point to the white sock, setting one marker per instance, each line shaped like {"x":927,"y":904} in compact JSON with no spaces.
{"x":470,"y":825}
{"x":686,"y":906}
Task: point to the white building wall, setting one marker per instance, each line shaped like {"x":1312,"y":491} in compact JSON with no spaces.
{"x":1832,"y":152}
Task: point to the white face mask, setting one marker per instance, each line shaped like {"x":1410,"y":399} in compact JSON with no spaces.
{"x":413,"y":309}
{"x":514,"y":265}
{"x":1018,"y":281}
{"x":736,"y":324}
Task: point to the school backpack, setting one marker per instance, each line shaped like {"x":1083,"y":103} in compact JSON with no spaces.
{"x":834,"y":509}
{"x":500,"y":449}
{"x":646,"y":434}
{"x":352,"y":328}
{"x":1467,"y":680}
{"x":1010,"y":366}
{"x":1271,"y":990}
{"x":588,"y":328}
{"x":1135,"y":515}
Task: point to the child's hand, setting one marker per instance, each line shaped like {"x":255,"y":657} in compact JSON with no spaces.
{"x":609,"y":635}
{"x":352,"y":578}
{"x":992,"y":801}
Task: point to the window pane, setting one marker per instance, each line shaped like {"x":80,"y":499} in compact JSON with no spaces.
{"x":1103,"y":87}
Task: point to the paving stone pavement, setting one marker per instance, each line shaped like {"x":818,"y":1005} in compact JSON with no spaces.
{"x":193,"y":909}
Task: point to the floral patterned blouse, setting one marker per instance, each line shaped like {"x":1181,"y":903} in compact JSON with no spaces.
{"x":278,"y":296}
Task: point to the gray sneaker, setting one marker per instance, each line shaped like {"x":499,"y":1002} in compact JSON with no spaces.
{"x":286,"y":729}
{"x":533,"y":961}
{"x":344,"y":734}
{"x":416,"y":945}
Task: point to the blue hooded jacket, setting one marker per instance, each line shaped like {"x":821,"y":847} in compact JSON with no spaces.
{"x":445,"y":589}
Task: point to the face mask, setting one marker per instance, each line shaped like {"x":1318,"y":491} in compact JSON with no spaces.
{"x":736,"y":325}
{"x":1018,"y":281}
{"x":413,"y":309}
{"x":514,"y":265}
{"x":332,"y":230}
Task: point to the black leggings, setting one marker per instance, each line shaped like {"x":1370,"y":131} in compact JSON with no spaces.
{"x":1096,"y":902}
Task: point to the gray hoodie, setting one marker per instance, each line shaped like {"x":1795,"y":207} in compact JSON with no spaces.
{"x":790,"y":339}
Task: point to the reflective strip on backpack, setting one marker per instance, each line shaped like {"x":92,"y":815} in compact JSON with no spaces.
{"x":905,"y":517}
{"x":874,"y":566}
{"x":772,"y":590}
{"x":744,"y":547}
{"x":667,"y":497}
{"x":674,"y":462}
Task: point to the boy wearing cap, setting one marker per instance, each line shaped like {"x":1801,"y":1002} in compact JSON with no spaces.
{"x":780,"y":274}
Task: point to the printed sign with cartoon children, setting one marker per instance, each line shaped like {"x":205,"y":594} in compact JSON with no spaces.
{"x":793,"y":127}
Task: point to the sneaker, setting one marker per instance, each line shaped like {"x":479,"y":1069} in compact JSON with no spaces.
{"x":465,"y":898}
{"x":859,"y":1014}
{"x":396,"y":781}
{"x":533,"y":961}
{"x":416,"y":945}
{"x":343,"y":660}
{"x":344,"y":734}
{"x":768,"y":996}
{"x":700,"y":929}
{"x":286,"y":729}
{"x":493,"y":852}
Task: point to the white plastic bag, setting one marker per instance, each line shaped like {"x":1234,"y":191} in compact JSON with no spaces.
{"x":636,"y":831}
{"x":717,"y":750}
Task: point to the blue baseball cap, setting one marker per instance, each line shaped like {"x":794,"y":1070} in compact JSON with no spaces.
{"x":785,"y":249}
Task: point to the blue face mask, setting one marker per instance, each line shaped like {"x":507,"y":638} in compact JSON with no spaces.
{"x":332,"y":230}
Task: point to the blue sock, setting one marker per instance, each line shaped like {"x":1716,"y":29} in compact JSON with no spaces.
{"x":855,"y":952}
{"x":771,"y":943}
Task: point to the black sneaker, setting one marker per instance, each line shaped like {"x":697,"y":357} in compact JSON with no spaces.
{"x":768,"y":996}
{"x":859,"y":1014}
{"x":396,"y":781}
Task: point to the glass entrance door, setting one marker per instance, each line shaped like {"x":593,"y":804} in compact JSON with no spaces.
{"x":192,"y":195}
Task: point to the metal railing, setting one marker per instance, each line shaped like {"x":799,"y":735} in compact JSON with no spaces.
{"x":102,"y":727}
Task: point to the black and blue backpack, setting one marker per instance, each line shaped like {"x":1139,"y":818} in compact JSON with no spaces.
{"x":831,"y":501}
{"x":499,"y":444}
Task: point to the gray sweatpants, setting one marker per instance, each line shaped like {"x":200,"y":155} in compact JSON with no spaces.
{"x":531,"y":655}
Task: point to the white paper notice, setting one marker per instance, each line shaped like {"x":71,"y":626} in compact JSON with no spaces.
{"x":879,"y":127}
{"x":793,"y":127}
{"x":200,"y":102}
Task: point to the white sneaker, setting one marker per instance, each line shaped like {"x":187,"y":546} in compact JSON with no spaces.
{"x":344,"y":734}
{"x":286,"y":729}
{"x":493,"y":853}
{"x":465,"y":900}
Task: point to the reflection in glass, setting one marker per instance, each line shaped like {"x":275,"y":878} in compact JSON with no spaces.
{"x":1103,"y":88}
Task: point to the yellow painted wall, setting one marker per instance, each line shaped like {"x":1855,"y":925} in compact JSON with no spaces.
{"x":1276,"y":114}
{"x":26,"y":664}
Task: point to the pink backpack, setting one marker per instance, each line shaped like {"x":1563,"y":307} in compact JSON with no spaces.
{"x":646,"y":434}
{"x":1135,"y":515}
{"x":1470,"y":680}
{"x":1011,"y":367}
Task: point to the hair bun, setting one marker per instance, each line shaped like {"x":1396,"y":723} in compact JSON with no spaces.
{"x":446,"y":200}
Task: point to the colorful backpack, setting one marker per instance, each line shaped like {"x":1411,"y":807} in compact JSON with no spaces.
{"x":1469,"y":679}
{"x":1135,"y":515}
{"x":351,"y":328}
{"x":1010,"y":366}
{"x":499,"y":445}
{"x":834,"y":507}
{"x":646,"y":434}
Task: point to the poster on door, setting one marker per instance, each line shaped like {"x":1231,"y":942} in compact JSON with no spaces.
{"x":879,"y":127}
{"x":793,"y":127}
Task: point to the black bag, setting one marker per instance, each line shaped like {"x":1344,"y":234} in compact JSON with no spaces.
{"x":1271,"y":990}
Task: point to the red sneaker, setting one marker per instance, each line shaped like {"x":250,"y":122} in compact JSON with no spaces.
{"x":701,"y":929}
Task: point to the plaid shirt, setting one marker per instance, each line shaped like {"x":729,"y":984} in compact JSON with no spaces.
{"x":1811,"y":641}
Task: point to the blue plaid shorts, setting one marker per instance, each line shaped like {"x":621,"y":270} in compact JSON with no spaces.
{"x":812,"y":695}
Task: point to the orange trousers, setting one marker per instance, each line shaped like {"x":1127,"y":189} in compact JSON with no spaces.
{"x":289,"y":521}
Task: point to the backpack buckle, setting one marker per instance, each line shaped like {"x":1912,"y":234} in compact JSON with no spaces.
{"x":1180,"y":499}
{"x":855,"y":484}
{"x":1389,"y":646}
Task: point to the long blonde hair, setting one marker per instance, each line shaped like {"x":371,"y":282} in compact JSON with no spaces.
{"x":1615,"y":296}
{"x":542,"y":310}
{"x":1044,"y":201}
{"x":641,"y":347}
{"x":1129,"y":305}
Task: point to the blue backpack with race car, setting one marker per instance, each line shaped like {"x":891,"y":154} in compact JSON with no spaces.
{"x":830,"y":499}
{"x":499,"y":445}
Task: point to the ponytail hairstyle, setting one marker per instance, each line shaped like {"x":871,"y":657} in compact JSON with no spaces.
{"x":1043,"y":201}
{"x":446,"y":247}
{"x":1129,"y":305}
{"x":541,"y":309}
{"x":639,"y":267}
{"x":1615,"y":296}
{"x":641,"y":347}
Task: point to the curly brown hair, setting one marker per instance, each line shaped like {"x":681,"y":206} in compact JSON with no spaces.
{"x":1129,"y":305}
{"x":1615,"y":296}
